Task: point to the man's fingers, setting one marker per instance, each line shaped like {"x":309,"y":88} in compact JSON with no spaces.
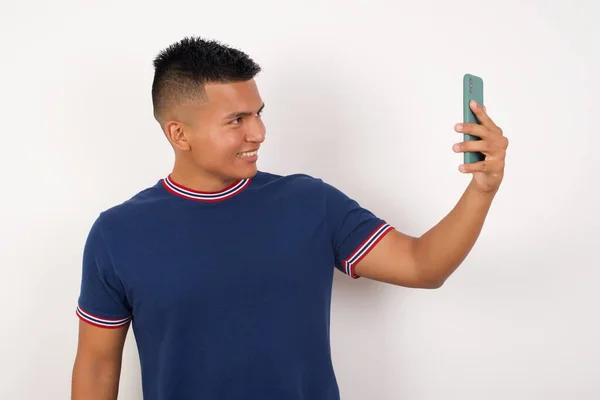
{"x":494,"y":148}
{"x":482,"y":146}
{"x":482,"y":116}
{"x":483,"y":166}
{"x":473,"y":129}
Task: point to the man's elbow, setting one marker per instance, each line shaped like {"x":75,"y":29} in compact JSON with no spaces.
{"x":433,"y":283}
{"x":95,"y":378}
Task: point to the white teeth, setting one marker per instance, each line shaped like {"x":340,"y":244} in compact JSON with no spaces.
{"x":247,"y":154}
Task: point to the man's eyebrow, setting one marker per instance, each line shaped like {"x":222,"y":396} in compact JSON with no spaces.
{"x":238,"y":114}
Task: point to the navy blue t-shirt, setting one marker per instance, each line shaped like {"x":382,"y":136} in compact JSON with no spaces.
{"x":229,"y":292}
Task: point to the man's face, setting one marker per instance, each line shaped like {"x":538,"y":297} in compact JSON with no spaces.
{"x":223,"y":131}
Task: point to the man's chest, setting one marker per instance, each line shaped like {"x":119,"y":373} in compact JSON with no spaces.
{"x":212,"y":271}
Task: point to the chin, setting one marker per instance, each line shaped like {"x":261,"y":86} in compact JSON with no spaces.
{"x":246,"y":172}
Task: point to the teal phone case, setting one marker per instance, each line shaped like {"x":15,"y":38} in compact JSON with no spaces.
{"x":472,"y":90}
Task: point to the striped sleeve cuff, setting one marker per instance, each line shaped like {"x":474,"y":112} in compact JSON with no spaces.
{"x":101,"y":322}
{"x":364,"y":248}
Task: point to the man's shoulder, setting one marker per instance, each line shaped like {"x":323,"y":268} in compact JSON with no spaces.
{"x":139,"y":205}
{"x":292,"y":181}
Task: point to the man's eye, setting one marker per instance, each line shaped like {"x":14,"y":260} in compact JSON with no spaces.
{"x":237,"y":121}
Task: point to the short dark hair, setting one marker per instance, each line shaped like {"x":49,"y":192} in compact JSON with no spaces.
{"x":184,"y":68}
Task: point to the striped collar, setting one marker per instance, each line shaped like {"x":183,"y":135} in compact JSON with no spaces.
{"x":211,"y":197}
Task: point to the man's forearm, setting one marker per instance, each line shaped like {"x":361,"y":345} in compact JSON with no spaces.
{"x":444,"y":247}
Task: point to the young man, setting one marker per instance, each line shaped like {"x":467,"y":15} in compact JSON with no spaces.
{"x":225,"y":271}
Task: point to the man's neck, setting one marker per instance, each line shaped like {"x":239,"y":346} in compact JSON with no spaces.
{"x":200,"y":181}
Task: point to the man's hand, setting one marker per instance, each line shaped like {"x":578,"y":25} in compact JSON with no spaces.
{"x":487,"y":174}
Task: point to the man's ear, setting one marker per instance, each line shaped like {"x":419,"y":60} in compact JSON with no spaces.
{"x":176,"y":133}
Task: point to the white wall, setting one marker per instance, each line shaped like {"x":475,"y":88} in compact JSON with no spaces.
{"x":365,"y":95}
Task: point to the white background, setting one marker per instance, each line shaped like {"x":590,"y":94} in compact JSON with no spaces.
{"x":365,"y":95}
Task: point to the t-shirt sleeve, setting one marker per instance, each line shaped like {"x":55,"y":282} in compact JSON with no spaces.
{"x":354,"y":230}
{"x":102,"y":300}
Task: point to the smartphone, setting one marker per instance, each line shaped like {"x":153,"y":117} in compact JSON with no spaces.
{"x":472,"y":90}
